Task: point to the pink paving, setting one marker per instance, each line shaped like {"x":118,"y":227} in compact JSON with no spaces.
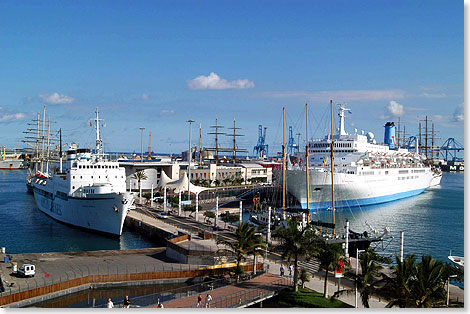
{"x":232,"y":296}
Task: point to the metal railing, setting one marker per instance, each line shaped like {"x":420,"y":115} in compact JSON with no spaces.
{"x":174,"y":294}
{"x":246,"y":296}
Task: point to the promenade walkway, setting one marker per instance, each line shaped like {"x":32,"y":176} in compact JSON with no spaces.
{"x":239,"y":295}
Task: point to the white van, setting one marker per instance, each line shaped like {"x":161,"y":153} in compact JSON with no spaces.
{"x":27,"y":270}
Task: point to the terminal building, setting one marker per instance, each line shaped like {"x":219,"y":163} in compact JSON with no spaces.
{"x":243,"y":173}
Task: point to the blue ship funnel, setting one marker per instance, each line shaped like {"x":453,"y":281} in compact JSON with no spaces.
{"x":390,"y":137}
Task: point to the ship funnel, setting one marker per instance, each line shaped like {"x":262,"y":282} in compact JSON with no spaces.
{"x":390,"y":136}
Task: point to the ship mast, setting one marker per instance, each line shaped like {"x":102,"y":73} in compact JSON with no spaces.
{"x":98,"y":138}
{"x":306,"y":165}
{"x":200,"y":144}
{"x":283,"y":161}
{"x":332,"y":171}
{"x":43,"y":137}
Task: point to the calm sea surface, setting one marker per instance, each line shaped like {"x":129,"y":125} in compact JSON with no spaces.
{"x":433,"y":222}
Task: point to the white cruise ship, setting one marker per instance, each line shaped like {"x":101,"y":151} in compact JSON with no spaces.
{"x":365,"y":172}
{"x":10,"y":161}
{"x":89,"y":193}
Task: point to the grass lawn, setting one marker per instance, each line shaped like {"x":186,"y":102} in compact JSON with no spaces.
{"x":303,"y":298}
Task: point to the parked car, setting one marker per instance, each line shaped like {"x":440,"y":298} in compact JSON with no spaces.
{"x":27,"y":270}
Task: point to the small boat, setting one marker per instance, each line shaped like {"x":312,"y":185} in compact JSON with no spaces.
{"x":457,"y":260}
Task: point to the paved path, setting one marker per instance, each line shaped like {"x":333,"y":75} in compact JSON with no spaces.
{"x":234,"y":295}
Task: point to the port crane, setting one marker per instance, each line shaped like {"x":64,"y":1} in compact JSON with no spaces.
{"x":261,"y":149}
{"x":451,"y":147}
{"x":292,"y":146}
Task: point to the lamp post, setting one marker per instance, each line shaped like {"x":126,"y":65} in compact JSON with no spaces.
{"x":189,"y":159}
{"x":448,"y":288}
{"x":141,"y":145}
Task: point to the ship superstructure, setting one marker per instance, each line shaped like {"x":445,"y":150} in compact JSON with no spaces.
{"x":365,"y":172}
{"x":90,"y":192}
{"x":11,"y":160}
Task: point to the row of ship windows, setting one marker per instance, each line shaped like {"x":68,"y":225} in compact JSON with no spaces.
{"x":97,"y":167}
{"x":407,"y":178}
{"x":336,"y":145}
{"x":327,"y":151}
{"x":99,"y":177}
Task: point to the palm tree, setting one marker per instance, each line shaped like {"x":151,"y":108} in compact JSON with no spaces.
{"x":428,"y":289}
{"x":399,"y":286}
{"x":295,"y":243}
{"x":246,"y":240}
{"x":416,"y":284}
{"x":328,"y":254}
{"x":139,"y":176}
{"x":370,"y":272}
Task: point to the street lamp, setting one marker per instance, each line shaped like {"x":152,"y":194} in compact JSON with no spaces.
{"x":355,"y":282}
{"x":141,"y":145}
{"x":189,"y":159}
{"x":448,"y":288}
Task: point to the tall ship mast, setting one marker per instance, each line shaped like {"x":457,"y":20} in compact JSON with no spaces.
{"x":362,"y":171}
{"x":90,"y":192}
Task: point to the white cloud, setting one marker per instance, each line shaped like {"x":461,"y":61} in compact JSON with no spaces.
{"x":428,"y":95}
{"x":167,"y":112}
{"x":338,"y":95}
{"x":213,"y":81}
{"x":56,"y":99}
{"x":145,"y":96}
{"x":11,"y":117}
{"x":458,"y":113}
{"x":395,"y":109}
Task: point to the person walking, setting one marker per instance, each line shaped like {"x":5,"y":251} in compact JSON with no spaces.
{"x":126,"y":302}
{"x":110,"y":304}
{"x":291,"y":269}
{"x":282,"y":270}
{"x":208,"y":300}
{"x":199,"y":300}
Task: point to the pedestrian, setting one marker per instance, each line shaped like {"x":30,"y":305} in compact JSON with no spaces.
{"x":110,"y":304}
{"x":199,"y":300}
{"x":291,"y":269}
{"x":282,"y":270}
{"x":208,"y":300}
{"x":126,"y":302}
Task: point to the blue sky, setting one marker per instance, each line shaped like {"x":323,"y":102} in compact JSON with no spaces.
{"x":156,"y":64}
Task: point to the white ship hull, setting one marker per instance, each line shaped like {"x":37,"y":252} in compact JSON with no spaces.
{"x":11,"y":164}
{"x":355,"y":190}
{"x":103,"y":213}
